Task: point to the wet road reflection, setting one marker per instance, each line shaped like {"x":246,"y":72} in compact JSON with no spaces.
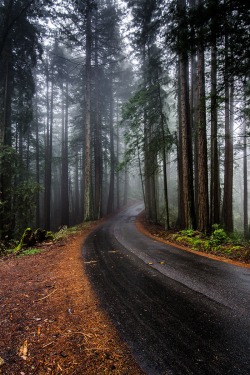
{"x":179,"y":313}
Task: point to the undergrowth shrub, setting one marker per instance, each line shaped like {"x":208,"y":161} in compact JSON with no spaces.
{"x":218,"y":237}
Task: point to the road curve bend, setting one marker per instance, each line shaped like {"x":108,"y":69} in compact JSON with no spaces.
{"x":180,"y":313}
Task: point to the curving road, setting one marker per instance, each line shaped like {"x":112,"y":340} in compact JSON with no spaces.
{"x":180,"y":313}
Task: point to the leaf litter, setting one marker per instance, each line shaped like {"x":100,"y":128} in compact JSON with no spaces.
{"x":38,"y":335}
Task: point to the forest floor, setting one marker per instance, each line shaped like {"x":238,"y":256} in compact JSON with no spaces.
{"x":237,"y":254}
{"x":51,"y":321}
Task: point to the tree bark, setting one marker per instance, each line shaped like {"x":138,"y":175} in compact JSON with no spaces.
{"x":5,"y":179}
{"x":152,"y":178}
{"x":180,"y":220}
{"x":227,"y":210}
{"x":76,"y":195}
{"x":214,"y":181}
{"x":186,"y":148}
{"x":245,"y":182}
{"x":193,"y":122}
{"x":65,"y":173}
{"x":187,"y":199}
{"x":48,"y":151}
{"x":193,"y":111}
{"x":37,"y":164}
{"x":4,"y":108}
{"x":164,"y":157}
{"x":146,"y":171}
{"x":202,"y":177}
{"x":117,"y":160}
{"x":110,"y":206}
{"x":87,"y":175}
{"x":97,"y":137}
{"x":126,"y":185}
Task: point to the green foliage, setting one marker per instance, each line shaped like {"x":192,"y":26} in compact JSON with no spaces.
{"x":64,"y":231}
{"x":144,"y":110}
{"x":218,"y":237}
{"x":50,"y":236}
{"x":215,"y":227}
{"x":204,"y":244}
{"x":60,"y":235}
{"x":30,"y":251}
{"x":232,"y":246}
{"x":236,"y":237}
{"x":30,"y":238}
{"x":25,"y":239}
{"x":188,"y":232}
{"x":8,"y":160}
{"x":72,"y":229}
{"x":18,"y":195}
{"x":24,"y":204}
{"x":179,"y":239}
{"x":188,"y":26}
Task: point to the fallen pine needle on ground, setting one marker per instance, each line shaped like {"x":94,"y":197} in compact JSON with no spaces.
{"x":63,"y":331}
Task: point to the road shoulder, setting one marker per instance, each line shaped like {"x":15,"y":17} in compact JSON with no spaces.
{"x":146,"y":229}
{"x":51,"y":320}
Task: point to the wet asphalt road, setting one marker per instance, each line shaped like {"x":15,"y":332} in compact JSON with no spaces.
{"x":182,"y":314}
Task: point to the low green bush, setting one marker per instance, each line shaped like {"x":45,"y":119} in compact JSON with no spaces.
{"x":218,"y":237}
{"x":187,"y":232}
{"x":30,"y":252}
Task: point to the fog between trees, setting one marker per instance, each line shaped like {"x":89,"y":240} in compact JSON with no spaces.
{"x":104,"y":102}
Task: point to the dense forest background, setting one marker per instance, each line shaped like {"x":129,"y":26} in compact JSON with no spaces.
{"x":105,"y":101}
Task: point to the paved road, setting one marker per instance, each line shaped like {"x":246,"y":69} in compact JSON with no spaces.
{"x":180,"y":313}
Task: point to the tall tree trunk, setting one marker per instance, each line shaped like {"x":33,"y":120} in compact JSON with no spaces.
{"x":87,"y":175}
{"x":125,"y":196}
{"x":152,"y":178}
{"x":6,"y":228}
{"x":186,"y":148}
{"x":193,"y":122}
{"x":62,"y":152}
{"x":227,"y":210}
{"x":186,"y":140}
{"x":245,"y":182}
{"x":193,"y":112}
{"x":202,"y":177}
{"x":97,"y":137}
{"x":110,"y":206}
{"x":146,"y":135}
{"x":20,"y":147}
{"x":117,"y":159}
{"x":4,"y":107}
{"x":214,"y":181}
{"x":140,"y":169}
{"x":37,"y":163}
{"x":77,"y":198}
{"x":48,"y":151}
{"x":180,"y":220}
{"x":65,"y":173}
{"x":164,"y":156}
{"x":146,"y":171}
{"x":152,"y":155}
{"x":28,"y":149}
{"x":82,"y":182}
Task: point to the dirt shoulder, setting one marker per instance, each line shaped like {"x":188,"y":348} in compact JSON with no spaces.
{"x":50,"y":319}
{"x":157,"y":233}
